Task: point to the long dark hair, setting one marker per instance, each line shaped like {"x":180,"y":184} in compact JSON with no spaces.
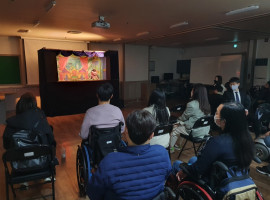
{"x":200,"y":94}
{"x":237,"y":126}
{"x":219,"y":81}
{"x":158,"y":99}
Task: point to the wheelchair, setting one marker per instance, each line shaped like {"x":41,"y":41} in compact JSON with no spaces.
{"x":198,"y":189}
{"x":261,"y":126}
{"x":89,"y":154}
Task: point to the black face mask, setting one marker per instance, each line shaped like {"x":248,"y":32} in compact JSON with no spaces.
{"x":215,"y":81}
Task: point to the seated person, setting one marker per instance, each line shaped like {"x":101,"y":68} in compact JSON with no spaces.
{"x":196,"y":108}
{"x":28,"y":117}
{"x":138,"y":171}
{"x":104,"y":115}
{"x":264,"y":95}
{"x":215,"y":99}
{"x":218,"y":82}
{"x":236,"y":95}
{"x":157,"y":107}
{"x":234,"y":147}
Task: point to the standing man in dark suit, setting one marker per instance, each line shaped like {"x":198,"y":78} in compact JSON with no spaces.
{"x":235,"y":95}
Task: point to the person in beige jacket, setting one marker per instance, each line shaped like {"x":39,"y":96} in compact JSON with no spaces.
{"x":196,"y":108}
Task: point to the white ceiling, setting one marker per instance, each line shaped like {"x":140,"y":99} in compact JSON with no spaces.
{"x":208,"y":23}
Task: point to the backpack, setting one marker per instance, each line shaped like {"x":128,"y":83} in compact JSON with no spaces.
{"x":237,"y":185}
{"x":24,"y":138}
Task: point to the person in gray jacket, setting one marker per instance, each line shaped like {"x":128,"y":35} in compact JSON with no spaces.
{"x":196,"y":108}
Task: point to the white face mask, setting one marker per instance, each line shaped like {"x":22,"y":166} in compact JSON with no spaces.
{"x":215,"y":120}
{"x":234,"y":87}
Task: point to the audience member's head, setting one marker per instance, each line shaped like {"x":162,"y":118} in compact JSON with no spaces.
{"x":105,"y":92}
{"x":140,"y":125}
{"x":218,"y":80}
{"x":234,"y":83}
{"x":199,"y":93}
{"x":231,"y":117}
{"x":158,"y":100}
{"x":26,"y":102}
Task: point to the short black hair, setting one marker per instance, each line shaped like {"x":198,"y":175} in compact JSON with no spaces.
{"x":105,"y":91}
{"x":140,"y":124}
{"x":26,"y":102}
{"x":234,"y":79}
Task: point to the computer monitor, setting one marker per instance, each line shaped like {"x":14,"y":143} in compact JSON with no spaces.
{"x":154,"y":79}
{"x":168,"y":76}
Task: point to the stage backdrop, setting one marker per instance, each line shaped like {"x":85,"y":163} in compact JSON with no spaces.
{"x":67,"y":84}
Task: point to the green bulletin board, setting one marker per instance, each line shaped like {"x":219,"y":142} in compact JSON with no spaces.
{"x":9,"y":70}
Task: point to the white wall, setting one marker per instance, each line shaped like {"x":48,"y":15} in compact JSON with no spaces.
{"x":115,"y":47}
{"x":9,"y":45}
{"x":165,"y":61}
{"x":263,"y":49}
{"x":211,"y":51}
{"x":136,"y":63}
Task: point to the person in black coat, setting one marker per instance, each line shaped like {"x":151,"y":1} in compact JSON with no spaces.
{"x":28,"y":117}
{"x":235,"y":95}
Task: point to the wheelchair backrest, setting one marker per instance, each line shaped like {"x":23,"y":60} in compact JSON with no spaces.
{"x":232,"y":182}
{"x":104,"y":141}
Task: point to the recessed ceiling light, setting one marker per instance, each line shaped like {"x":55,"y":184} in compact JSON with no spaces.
{"x":241,"y":10}
{"x":117,"y":39}
{"x":23,"y":31}
{"x":142,"y":33}
{"x":179,"y":24}
{"x":74,"y":32}
{"x":211,"y":39}
{"x":36,"y":23}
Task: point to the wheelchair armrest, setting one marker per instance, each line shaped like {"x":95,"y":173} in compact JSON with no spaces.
{"x":183,"y":166}
{"x":257,"y":159}
{"x":221,"y":165}
{"x":170,"y":192}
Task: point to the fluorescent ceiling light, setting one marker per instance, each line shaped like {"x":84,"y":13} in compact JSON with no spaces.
{"x":51,"y":5}
{"x":237,"y":11}
{"x":74,"y":32}
{"x":142,"y":33}
{"x":117,"y":39}
{"x":179,"y":24}
{"x":36,"y":23}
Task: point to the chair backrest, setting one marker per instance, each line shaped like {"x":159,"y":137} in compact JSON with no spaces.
{"x":104,"y":141}
{"x":29,"y":157}
{"x":203,"y":122}
{"x":178,"y":108}
{"x":163,"y":129}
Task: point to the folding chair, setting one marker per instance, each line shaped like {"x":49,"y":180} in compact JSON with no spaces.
{"x":35,"y":154}
{"x":202,"y":122}
{"x":164,"y":129}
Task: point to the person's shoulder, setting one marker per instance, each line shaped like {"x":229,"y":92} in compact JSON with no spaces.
{"x":158,"y":149}
{"x":193,"y":103}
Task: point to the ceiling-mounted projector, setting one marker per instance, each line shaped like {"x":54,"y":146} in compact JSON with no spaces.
{"x":101,"y":23}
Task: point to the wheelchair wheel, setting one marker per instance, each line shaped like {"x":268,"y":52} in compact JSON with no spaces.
{"x":191,"y":191}
{"x":81,"y":169}
{"x":261,"y":151}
